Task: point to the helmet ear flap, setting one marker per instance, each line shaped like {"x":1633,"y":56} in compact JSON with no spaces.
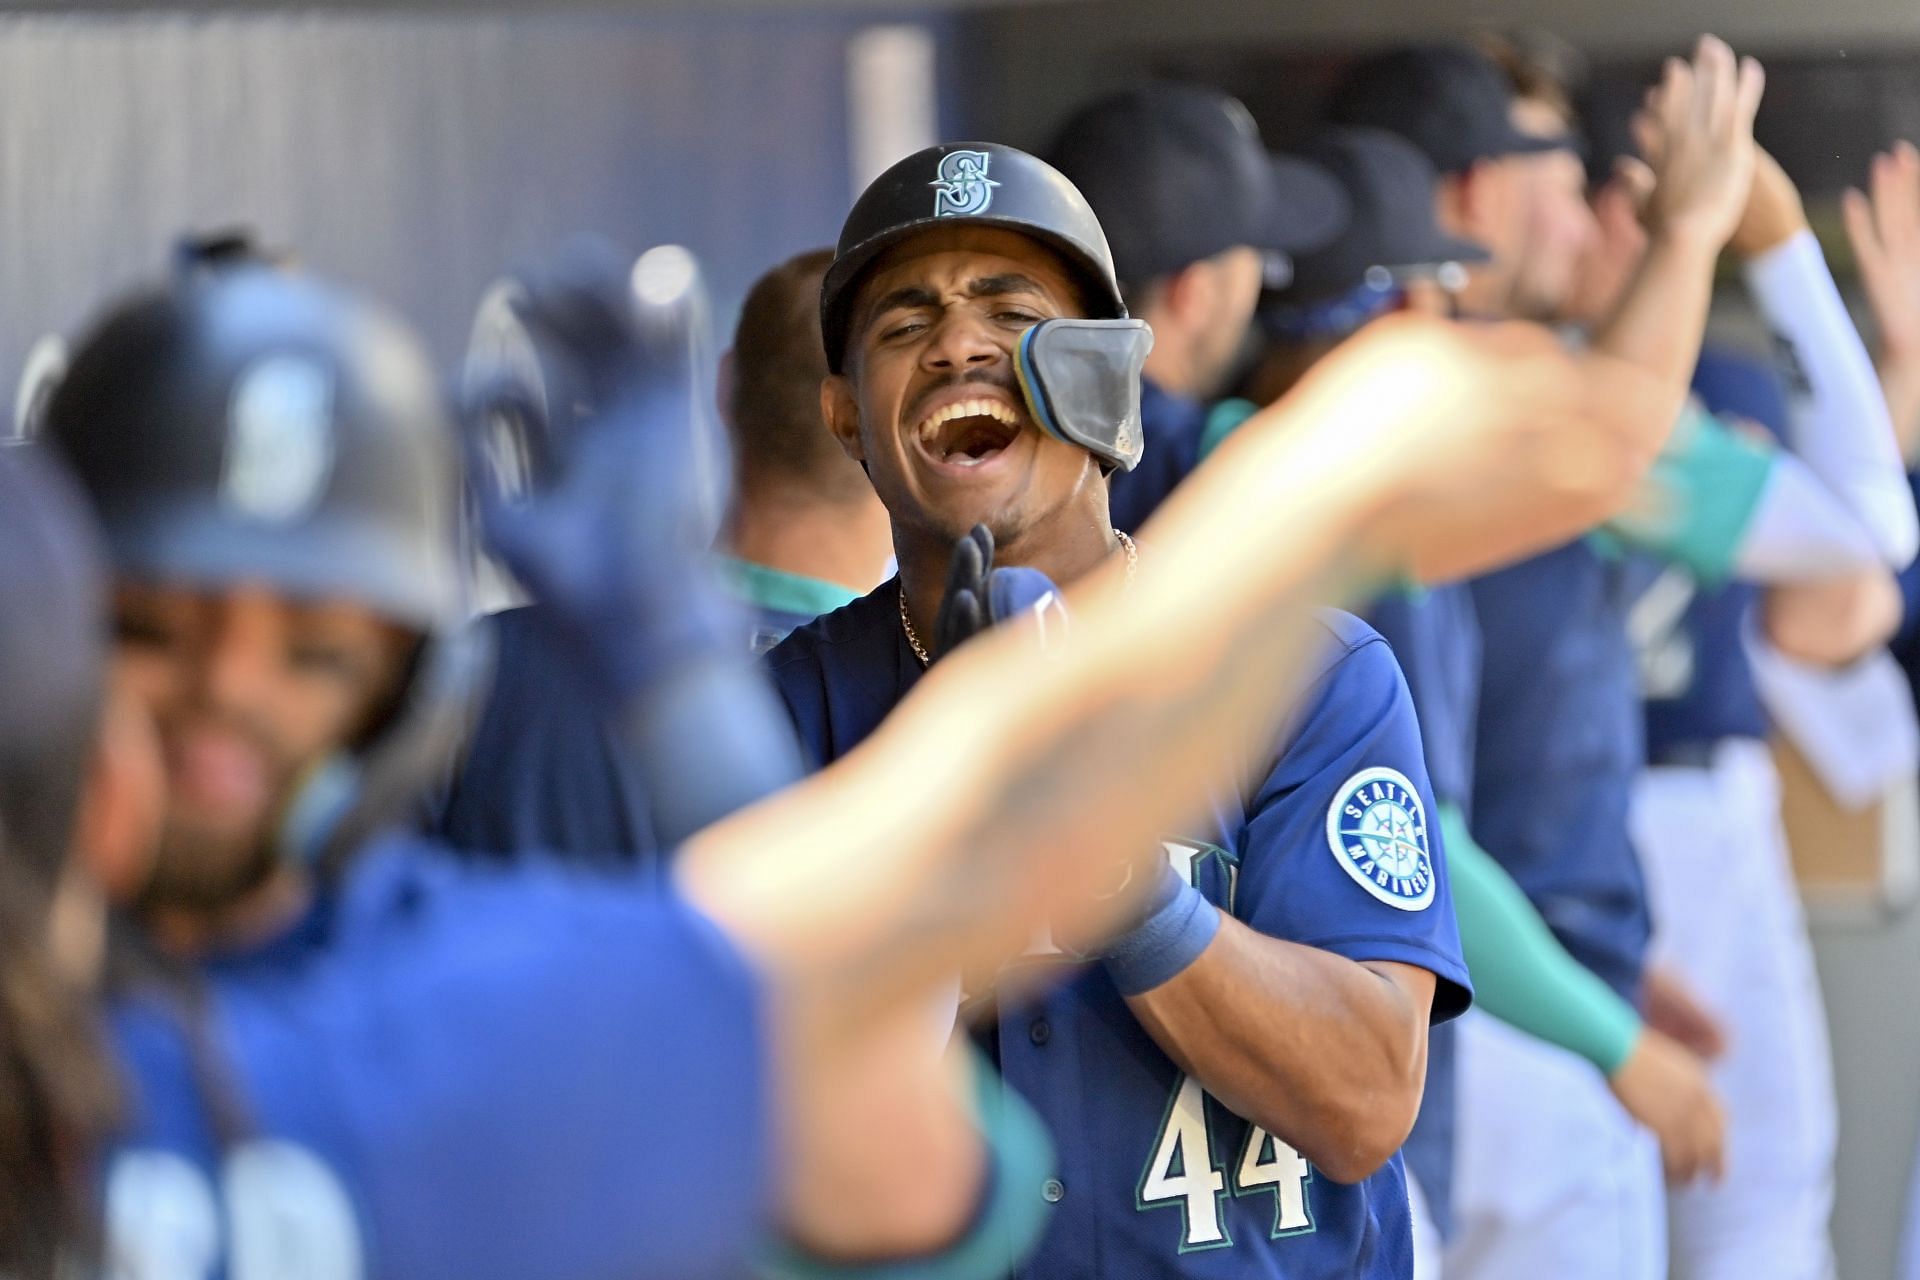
{"x":1081,"y":381}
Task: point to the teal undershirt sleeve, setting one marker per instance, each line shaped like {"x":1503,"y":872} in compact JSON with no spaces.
{"x":1521,"y":973}
{"x":1010,"y":1218}
{"x":1695,"y":506}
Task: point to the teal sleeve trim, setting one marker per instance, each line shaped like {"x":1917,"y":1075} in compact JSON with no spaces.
{"x":785,"y":592}
{"x":1521,"y":973}
{"x":1222,"y":421}
{"x":1010,"y":1218}
{"x":1697,"y":502}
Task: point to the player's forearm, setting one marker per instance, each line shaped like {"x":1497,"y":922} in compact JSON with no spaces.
{"x":996,"y":792}
{"x":1324,"y":1053}
{"x":1838,"y":419}
{"x":881,"y":1150}
{"x":1662,"y":317}
{"x":992,"y":795}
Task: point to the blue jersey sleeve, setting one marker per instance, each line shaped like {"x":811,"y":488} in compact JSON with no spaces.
{"x":485,"y":1075}
{"x":1343,"y":848}
{"x":561,"y":1081}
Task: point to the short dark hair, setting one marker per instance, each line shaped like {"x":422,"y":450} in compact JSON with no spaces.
{"x":779,"y":362}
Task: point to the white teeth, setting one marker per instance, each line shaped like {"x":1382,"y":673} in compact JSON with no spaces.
{"x":965,"y":409}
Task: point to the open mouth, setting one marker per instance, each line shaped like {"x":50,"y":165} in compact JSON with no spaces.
{"x":968,"y":433}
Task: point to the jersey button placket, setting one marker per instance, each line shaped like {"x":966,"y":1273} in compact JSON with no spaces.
{"x":1040,"y":1032}
{"x":1053,"y":1191}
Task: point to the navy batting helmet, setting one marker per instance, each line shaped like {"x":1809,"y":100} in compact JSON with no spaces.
{"x":250,"y":425}
{"x":979,"y":183}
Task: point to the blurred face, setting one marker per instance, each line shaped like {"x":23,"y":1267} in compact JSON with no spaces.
{"x":1531,"y":213}
{"x":930,"y":401}
{"x":1557,"y":225}
{"x":1230,"y":294}
{"x":248,"y":692}
{"x":1612,"y":256}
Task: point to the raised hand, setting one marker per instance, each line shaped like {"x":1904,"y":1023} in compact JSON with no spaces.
{"x":606,"y":533}
{"x":979,"y":595}
{"x":1884,"y":227}
{"x":1696,"y":133}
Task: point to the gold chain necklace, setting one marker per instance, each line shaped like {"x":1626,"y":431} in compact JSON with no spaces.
{"x":920,"y":650}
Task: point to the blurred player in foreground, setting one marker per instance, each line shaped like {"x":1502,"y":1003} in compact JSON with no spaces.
{"x":461,"y":1064}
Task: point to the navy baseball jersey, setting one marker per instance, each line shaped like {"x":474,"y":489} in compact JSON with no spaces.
{"x":1906,"y":642}
{"x":1436,"y":637}
{"x":453,"y":1070}
{"x":1331,"y":847}
{"x":1558,"y":744}
{"x":1698,"y":685}
{"x":542,"y":768}
{"x":1172,"y":429}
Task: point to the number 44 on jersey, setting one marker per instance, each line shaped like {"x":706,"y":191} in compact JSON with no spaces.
{"x":1183,"y":1171}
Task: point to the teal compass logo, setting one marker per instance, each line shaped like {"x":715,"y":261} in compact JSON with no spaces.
{"x":1377,"y":829}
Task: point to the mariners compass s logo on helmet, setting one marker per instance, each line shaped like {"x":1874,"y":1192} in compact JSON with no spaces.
{"x":279,"y":439}
{"x":1377,"y":828}
{"x":963,"y":188}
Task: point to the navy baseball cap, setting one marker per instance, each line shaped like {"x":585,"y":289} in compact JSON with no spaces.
{"x":1177,"y":173}
{"x":1392,"y":234}
{"x":1450,"y":100}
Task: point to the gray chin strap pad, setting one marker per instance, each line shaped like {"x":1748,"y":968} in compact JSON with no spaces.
{"x":1081,"y":379}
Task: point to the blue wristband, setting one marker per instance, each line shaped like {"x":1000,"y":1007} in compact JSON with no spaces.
{"x":1180,"y":923}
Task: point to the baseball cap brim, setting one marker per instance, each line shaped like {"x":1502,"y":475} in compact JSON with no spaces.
{"x":1514,"y":142}
{"x":1440,"y":250}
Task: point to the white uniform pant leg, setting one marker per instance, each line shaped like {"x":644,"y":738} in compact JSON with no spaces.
{"x":1552,"y":1178}
{"x":1426,"y":1237}
{"x":1727,"y":920}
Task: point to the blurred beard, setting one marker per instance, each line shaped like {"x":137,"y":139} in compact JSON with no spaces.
{"x":196,"y":872}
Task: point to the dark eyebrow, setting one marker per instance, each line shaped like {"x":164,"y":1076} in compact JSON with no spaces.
{"x":996,"y":286}
{"x":912,"y":295}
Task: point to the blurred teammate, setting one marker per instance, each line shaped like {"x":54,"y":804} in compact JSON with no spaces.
{"x":1510,"y":178}
{"x":277,"y":510}
{"x":1393,"y":257}
{"x":804,"y":533}
{"x":1557,"y":739}
{"x":454,"y":1067}
{"x":1198,"y":217}
{"x":1808,"y":537}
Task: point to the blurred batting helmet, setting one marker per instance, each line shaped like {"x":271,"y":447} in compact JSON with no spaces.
{"x":251,"y":425}
{"x":967,"y":183}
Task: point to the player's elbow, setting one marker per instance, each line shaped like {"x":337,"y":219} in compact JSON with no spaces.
{"x":1359,"y":1128}
{"x":1358,"y":1143}
{"x":1832,"y":624}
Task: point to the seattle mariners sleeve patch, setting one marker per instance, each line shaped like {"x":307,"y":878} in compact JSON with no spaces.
{"x":1377,"y":829}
